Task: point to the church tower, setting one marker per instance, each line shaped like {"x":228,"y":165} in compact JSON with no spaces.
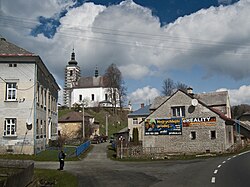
{"x":72,"y":75}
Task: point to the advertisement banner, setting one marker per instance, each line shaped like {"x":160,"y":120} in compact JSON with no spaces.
{"x":172,"y":126}
{"x":207,"y":121}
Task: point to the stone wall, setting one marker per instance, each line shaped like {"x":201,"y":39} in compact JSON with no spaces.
{"x":23,"y":177}
{"x":184,"y":143}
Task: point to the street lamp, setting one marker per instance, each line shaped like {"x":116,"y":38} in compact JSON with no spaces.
{"x":107,"y":124}
{"x":83,"y":122}
{"x":121,"y":139}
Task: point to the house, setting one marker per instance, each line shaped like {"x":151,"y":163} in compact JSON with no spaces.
{"x":70,"y":126}
{"x":136,"y":118}
{"x":184,"y":124}
{"x":90,"y":90}
{"x":28,"y":101}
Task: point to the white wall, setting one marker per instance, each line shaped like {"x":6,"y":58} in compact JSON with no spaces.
{"x":99,"y":95}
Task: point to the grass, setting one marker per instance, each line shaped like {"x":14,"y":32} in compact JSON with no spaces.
{"x":47,"y":155}
{"x":47,"y":177}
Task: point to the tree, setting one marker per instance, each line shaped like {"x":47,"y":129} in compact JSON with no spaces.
{"x":115,"y":84}
{"x":169,"y":87}
{"x":181,"y":86}
{"x":135,"y":136}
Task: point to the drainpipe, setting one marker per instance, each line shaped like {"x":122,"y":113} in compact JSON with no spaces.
{"x":34,"y":105}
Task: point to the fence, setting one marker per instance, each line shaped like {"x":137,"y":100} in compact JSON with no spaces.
{"x":80,"y":149}
{"x":139,"y":151}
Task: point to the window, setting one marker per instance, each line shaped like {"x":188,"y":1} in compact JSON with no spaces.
{"x":11,"y":91}
{"x":12,"y":65}
{"x":178,"y":111}
{"x":92,"y":97}
{"x":10,"y":127}
{"x":71,"y":73}
{"x":41,"y":130}
{"x":45,"y":98}
{"x":193,"y":135}
{"x":135,"y":121}
{"x":106,"y":97}
{"x":213,"y":134}
{"x":80,"y":97}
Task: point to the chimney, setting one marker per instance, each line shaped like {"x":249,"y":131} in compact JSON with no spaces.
{"x":190,"y":91}
{"x":142,"y":105}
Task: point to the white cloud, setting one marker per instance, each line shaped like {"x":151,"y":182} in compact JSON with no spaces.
{"x":129,"y":35}
{"x":239,"y":96}
{"x":143,"y":95}
{"x":135,"y":71}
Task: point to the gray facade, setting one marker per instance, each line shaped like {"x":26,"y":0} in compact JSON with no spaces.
{"x":28,"y":101}
{"x":184,"y":126}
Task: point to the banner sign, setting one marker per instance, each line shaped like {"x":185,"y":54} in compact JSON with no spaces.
{"x":172,"y":126}
{"x":207,"y":121}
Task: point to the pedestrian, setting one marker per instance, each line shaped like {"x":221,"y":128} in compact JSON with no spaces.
{"x":61,"y":157}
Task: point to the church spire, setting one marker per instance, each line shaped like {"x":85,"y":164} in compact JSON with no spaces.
{"x":73,"y":55}
{"x":73,"y":60}
{"x":96,"y":71}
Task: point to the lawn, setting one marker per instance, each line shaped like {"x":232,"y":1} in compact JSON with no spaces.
{"x":46,"y":177}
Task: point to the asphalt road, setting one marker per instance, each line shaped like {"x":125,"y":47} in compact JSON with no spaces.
{"x":233,"y":171}
{"x":97,"y":170}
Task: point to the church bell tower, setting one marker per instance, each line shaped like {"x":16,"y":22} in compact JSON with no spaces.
{"x":72,"y":75}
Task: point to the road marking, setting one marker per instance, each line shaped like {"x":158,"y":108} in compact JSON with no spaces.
{"x":219,"y":166}
{"x":229,"y":159}
{"x":223,"y":162}
{"x":243,"y":153}
{"x":213,"y":180}
{"x":215,"y":171}
{"x":234,"y":156}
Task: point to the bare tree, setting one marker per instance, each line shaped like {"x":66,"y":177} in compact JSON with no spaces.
{"x":181,"y":86}
{"x":115,"y":85}
{"x":169,"y":87}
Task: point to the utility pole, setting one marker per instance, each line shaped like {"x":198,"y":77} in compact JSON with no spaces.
{"x":106,"y":124}
{"x":83,"y":125}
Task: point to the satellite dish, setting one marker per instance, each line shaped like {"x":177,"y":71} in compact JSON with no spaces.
{"x":194,"y":102}
{"x":28,"y":124}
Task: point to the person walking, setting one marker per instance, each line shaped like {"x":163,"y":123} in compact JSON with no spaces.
{"x":61,"y":157}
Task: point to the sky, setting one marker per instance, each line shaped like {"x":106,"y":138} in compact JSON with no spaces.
{"x":203,"y":44}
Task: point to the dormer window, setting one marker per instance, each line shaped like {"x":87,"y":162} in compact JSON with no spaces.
{"x":178,"y":111}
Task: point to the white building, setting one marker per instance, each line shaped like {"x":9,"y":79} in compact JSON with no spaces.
{"x":28,"y":101}
{"x":92,"y":91}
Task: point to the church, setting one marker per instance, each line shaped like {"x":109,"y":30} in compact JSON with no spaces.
{"x":92,"y":91}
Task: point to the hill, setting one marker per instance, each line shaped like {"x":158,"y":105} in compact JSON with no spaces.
{"x":239,"y":110}
{"x":116,"y":122}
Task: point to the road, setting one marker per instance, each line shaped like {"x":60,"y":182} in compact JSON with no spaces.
{"x":233,"y":171}
{"x":97,"y":170}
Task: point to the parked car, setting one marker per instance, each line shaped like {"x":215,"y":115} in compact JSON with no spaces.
{"x":96,"y":140}
{"x":104,"y":138}
{"x":111,"y":139}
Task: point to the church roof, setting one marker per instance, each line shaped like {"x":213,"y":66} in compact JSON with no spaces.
{"x":92,"y":82}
